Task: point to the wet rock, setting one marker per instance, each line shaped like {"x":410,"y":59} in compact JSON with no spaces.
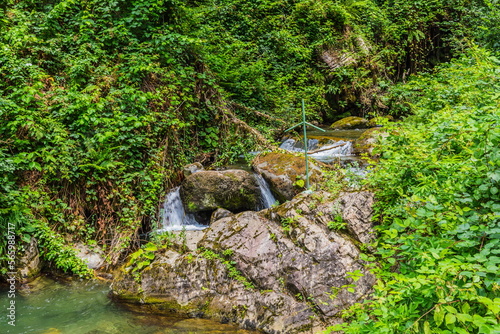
{"x":192,"y":168}
{"x":234,"y":190}
{"x":282,"y":170}
{"x":366,"y":142}
{"x":281,"y":270}
{"x":219,"y":214}
{"x":349,"y":123}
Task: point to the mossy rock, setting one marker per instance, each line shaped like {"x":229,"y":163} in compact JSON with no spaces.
{"x":282,"y":170}
{"x":366,"y":142}
{"x":349,"y":123}
{"x":234,"y":190}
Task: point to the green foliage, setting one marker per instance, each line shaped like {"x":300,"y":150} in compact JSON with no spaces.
{"x":141,"y":259}
{"x":438,"y":206}
{"x":101,"y":103}
{"x":337,"y":224}
{"x":287,"y":223}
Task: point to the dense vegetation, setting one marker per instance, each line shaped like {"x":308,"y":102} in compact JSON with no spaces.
{"x":438,"y":184}
{"x":102,"y":102}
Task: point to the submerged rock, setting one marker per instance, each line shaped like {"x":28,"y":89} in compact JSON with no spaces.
{"x":349,"y":123}
{"x":234,"y":190}
{"x":280,"y":270}
{"x":282,"y":170}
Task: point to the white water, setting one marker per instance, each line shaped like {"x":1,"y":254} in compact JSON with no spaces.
{"x":328,"y":152}
{"x":173,"y":216}
{"x":298,"y":146}
{"x":267,"y":197}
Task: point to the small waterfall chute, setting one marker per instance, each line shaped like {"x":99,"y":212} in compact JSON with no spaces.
{"x":173,"y":216}
{"x":267,"y":197}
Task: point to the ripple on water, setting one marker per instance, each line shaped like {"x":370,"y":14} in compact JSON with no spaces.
{"x":82,"y":307}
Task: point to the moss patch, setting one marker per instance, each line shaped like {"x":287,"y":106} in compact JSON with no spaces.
{"x":350,"y":123}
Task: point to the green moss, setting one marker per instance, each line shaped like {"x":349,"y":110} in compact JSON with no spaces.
{"x":350,"y":123}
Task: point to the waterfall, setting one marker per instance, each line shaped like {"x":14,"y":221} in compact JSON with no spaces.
{"x":267,"y":197}
{"x":173,"y":216}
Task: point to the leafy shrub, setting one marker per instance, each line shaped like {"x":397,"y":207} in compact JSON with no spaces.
{"x":439,"y":208}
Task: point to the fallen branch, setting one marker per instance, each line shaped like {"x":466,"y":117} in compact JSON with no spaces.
{"x":238,"y":122}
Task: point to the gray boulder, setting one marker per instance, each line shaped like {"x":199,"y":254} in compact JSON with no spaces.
{"x":92,"y":257}
{"x":234,"y":190}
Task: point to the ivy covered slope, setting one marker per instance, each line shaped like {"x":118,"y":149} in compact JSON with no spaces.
{"x":438,"y":188}
{"x":101,"y":102}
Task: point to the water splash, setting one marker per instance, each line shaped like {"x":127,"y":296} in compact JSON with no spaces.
{"x":267,"y":197}
{"x":174,"y":217}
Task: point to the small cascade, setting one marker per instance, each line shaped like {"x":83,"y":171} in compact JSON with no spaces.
{"x":267,"y":197}
{"x":325,"y":153}
{"x":298,"y":146}
{"x":173,"y":216}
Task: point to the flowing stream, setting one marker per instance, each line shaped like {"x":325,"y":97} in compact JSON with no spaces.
{"x":328,"y":147}
{"x":175,"y":218}
{"x":82,"y":307}
{"x":267,"y":197}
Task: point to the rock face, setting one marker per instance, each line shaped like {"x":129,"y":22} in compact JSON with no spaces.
{"x":280,"y":270}
{"x":234,"y":190}
{"x":281,"y":171}
{"x":366,"y":142}
{"x":351,"y":122}
{"x":356,"y":211}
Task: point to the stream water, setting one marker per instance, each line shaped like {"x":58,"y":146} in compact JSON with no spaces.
{"x":47,"y":306}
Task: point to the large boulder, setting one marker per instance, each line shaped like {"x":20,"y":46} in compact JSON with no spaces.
{"x":234,"y":190}
{"x":282,"y":170}
{"x":349,"y":123}
{"x":280,"y":270}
